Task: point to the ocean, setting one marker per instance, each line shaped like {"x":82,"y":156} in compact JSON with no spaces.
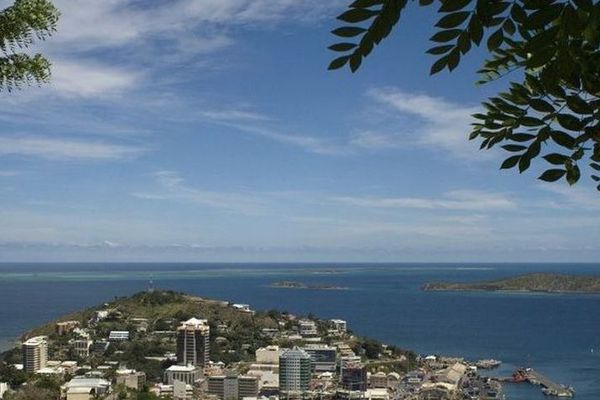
{"x":557,"y":334}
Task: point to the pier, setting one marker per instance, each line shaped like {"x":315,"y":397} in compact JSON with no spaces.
{"x":549,"y":387}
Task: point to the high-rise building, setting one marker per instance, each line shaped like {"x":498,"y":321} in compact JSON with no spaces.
{"x":193,"y":342}
{"x":323,"y":357}
{"x":294,"y":371}
{"x":35,"y":353}
{"x":354,"y":376}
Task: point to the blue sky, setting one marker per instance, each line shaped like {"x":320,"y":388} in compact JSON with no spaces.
{"x":210,"y":130}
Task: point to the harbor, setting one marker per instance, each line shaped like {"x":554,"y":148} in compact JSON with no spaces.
{"x":549,"y":387}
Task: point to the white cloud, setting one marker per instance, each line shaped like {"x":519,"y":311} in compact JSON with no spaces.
{"x":454,"y":200}
{"x":85,"y":79}
{"x":443,"y":125}
{"x":66,"y":149}
{"x":89,"y":24}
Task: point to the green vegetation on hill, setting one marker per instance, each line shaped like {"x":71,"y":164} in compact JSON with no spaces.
{"x":537,"y":282}
{"x":235,"y":335}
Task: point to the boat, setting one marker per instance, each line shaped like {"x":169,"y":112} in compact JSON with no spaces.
{"x":488,"y":364}
{"x":519,"y":376}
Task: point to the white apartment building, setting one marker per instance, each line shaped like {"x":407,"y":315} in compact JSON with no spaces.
{"x":35,"y":353}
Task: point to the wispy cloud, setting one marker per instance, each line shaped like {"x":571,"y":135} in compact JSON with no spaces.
{"x":442,"y":125}
{"x":172,"y":187}
{"x":89,"y":24}
{"x":579,"y":197}
{"x":87,"y":79}
{"x":9,"y":173}
{"x":454,"y":200}
{"x":66,"y":149}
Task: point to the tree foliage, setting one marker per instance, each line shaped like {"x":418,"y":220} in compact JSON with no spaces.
{"x":20,"y":26}
{"x":552,"y":47}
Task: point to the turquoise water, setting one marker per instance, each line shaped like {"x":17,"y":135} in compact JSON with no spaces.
{"x":557,"y":334}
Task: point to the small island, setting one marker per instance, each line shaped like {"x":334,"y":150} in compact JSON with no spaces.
{"x":302,"y":285}
{"x":535,"y":282}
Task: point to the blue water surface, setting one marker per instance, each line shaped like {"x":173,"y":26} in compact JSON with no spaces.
{"x":557,"y":334}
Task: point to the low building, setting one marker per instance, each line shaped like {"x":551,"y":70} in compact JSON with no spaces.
{"x":377,"y":394}
{"x":69,"y":366}
{"x":64,"y":327}
{"x":178,"y":391}
{"x":378,"y":380}
{"x":141,"y":324}
{"x":81,"y":347}
{"x":307,"y":328}
{"x":84,"y":388}
{"x":130,"y":378}
{"x":118,"y":336}
{"x":232,"y":386}
{"x":188,"y":374}
{"x":268,"y":355}
{"x":243,"y":308}
{"x":3,"y":389}
{"x":393,"y":380}
{"x":100,"y":346}
{"x":339,"y":325}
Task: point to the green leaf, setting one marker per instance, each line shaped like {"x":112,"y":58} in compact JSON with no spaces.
{"x":439,"y":65}
{"x":348,"y":31}
{"x":355,"y":61}
{"x":446,"y":36}
{"x":338,"y":62}
{"x":569,"y":122}
{"x":577,"y":155}
{"x":453,"y":59}
{"x":510,"y":162}
{"x":563,"y":139}
{"x":521,"y":137}
{"x":513,"y":147}
{"x":464,"y":42}
{"x":543,"y":16}
{"x":453,"y":20}
{"x":578,"y":105}
{"x":556,"y":158}
{"x":357,"y":15}
{"x":541,"y":105}
{"x":453,"y":5}
{"x":573,"y":174}
{"x":552,"y":175}
{"x":531,"y":121}
{"x":366,"y":3}
{"x":541,"y":57}
{"x":509,"y":27}
{"x":524,"y":163}
{"x":475,"y":29}
{"x":440,"y":49}
{"x":342,"y":46}
{"x":495,"y":40}
{"x":518,"y":14}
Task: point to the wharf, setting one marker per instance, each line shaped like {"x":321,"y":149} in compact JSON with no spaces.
{"x":549,"y":387}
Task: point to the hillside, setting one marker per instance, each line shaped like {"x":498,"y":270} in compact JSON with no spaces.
{"x":538,"y":282}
